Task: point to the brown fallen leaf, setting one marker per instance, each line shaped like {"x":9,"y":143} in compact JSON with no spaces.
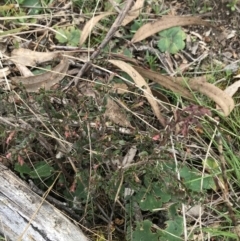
{"x":160,"y":96}
{"x":4,"y":72}
{"x":181,"y":86}
{"x":119,"y":88}
{"x":115,"y":114}
{"x":89,"y":26}
{"x":200,"y":84}
{"x":141,"y":83}
{"x":25,"y":71}
{"x":45,"y":80}
{"x":28,"y":57}
{"x":232,"y":89}
{"x":164,"y":23}
{"x":134,"y":12}
{"x":165,"y":81}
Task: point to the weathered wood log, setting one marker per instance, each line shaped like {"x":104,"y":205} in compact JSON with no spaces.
{"x":24,"y":216}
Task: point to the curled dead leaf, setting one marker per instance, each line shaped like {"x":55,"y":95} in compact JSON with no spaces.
{"x":141,"y":83}
{"x":45,"y":80}
{"x":165,"y":81}
{"x":164,"y":23}
{"x":28,"y":57}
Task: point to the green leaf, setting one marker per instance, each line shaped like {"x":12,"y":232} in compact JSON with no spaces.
{"x":41,"y":169}
{"x":22,"y":169}
{"x":174,"y":229}
{"x":192,"y":179}
{"x":72,"y":35}
{"x":172,"y":40}
{"x":60,"y":36}
{"x":32,"y":3}
{"x":143,"y":232}
{"x":152,"y":197}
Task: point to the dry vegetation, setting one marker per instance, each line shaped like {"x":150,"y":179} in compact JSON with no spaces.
{"x":131,"y":109}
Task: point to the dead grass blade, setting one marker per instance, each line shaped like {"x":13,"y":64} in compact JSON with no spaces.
{"x":165,"y":81}
{"x":45,"y":80}
{"x":89,"y":26}
{"x":134,"y":12}
{"x":164,"y":23}
{"x":141,"y":83}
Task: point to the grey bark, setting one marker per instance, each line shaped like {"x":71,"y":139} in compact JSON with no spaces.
{"x":23,"y":216}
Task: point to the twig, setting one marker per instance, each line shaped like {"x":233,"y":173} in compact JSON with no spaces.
{"x":108,"y":37}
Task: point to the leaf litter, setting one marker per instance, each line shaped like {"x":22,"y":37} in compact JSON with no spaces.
{"x":166,"y":22}
{"x":45,"y":80}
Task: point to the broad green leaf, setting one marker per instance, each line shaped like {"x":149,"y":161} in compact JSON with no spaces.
{"x":192,"y":179}
{"x":41,"y":169}
{"x":22,"y":169}
{"x":174,"y":229}
{"x":143,"y":232}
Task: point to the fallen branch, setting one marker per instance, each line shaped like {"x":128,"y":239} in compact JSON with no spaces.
{"x":25,"y":216}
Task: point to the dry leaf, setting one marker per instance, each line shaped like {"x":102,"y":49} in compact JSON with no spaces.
{"x":237,"y":230}
{"x":232,"y":89}
{"x":115,"y":114}
{"x":194,"y":211}
{"x":164,"y":23}
{"x":236,"y":76}
{"x":165,"y":81}
{"x":128,"y":158}
{"x":134,"y":12}
{"x":24,"y":70}
{"x":160,"y":96}
{"x":4,"y":72}
{"x":28,"y":57}
{"x":45,"y":80}
{"x":141,"y":83}
{"x":222,"y":99}
{"x":89,"y":26}
{"x":119,"y":88}
{"x":180,"y":86}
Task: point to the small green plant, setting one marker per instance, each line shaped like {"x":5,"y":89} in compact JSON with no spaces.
{"x":151,"y":60}
{"x":232,"y":5}
{"x":72,"y":36}
{"x":173,"y":231}
{"x":41,"y":170}
{"x":143,"y":232}
{"x":172,"y":40}
{"x":205,"y":8}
